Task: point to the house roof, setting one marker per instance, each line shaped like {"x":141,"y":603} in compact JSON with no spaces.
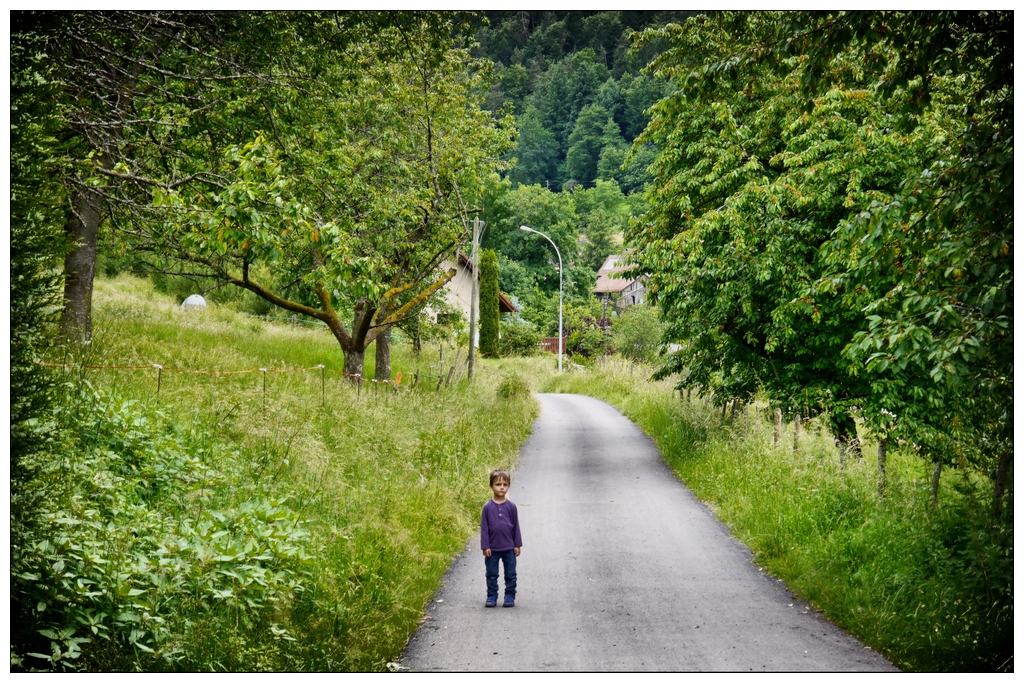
{"x":609,"y":276}
{"x":505,"y":305}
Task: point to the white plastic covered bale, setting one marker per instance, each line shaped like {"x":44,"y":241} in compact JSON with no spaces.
{"x":194,"y":302}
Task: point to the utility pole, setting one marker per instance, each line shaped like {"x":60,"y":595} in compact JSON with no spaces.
{"x":473,"y":303}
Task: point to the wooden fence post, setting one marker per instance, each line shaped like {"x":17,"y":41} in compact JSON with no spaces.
{"x":796,"y":433}
{"x":778,"y":424}
{"x":935,"y":483}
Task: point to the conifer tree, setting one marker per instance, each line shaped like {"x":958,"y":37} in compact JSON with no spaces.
{"x":489,"y":314}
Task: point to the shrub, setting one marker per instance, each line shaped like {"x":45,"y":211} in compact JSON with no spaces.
{"x":518,"y":338}
{"x":513,"y":386}
{"x":638,"y":333}
{"x":144,"y":529}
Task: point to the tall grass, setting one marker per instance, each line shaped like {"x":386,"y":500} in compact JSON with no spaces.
{"x":303,"y":528}
{"x":931,"y":588}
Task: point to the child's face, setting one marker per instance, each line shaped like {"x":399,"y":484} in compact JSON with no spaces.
{"x":500,"y":488}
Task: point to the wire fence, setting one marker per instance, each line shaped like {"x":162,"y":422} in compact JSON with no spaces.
{"x":357,"y":378}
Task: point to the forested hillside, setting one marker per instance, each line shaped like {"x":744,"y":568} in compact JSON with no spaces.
{"x":579,"y":94}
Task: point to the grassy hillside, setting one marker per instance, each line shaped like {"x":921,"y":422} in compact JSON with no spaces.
{"x":215,"y":527}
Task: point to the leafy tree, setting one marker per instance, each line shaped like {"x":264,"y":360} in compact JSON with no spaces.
{"x":518,"y":338}
{"x":749,"y":186}
{"x":601,"y":32}
{"x":489,"y":304}
{"x":584,"y":337}
{"x":609,"y":96}
{"x":513,"y":277}
{"x":604,"y":214}
{"x":536,"y":151}
{"x":639,"y":94}
{"x":553,"y":213}
{"x":934,"y":265}
{"x":831,"y":218}
{"x":37,"y":245}
{"x":637,"y":333}
{"x":586,"y":142}
{"x":108,"y":65}
{"x":636,"y":172}
{"x":356,"y":192}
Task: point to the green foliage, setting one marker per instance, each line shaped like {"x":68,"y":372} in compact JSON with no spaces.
{"x":536,"y":151}
{"x":930,"y":588}
{"x":830,"y":220}
{"x":513,"y":386}
{"x":490,"y":316}
{"x":584,"y":337}
{"x":36,"y":244}
{"x":637,"y":333}
{"x":212,"y":528}
{"x":127,"y":549}
{"x":553,"y":213}
{"x":576,"y":91}
{"x":518,"y":338}
{"x":589,"y":137}
{"x":351,"y":205}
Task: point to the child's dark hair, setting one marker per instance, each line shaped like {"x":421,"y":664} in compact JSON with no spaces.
{"x":500,"y":474}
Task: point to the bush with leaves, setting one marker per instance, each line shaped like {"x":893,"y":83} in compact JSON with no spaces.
{"x":513,"y":386}
{"x":637,"y":333}
{"x":143,"y":529}
{"x":584,"y":337}
{"x":518,"y":338}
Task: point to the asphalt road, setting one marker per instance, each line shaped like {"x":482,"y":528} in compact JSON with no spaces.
{"x":622,"y":569}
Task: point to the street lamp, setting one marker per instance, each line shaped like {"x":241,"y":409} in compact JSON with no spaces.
{"x":529,"y":229}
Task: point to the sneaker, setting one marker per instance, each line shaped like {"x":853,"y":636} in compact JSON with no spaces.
{"x":492,"y":601}
{"x":510,"y":601}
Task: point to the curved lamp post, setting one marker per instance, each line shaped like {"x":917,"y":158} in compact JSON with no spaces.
{"x":529,"y":229}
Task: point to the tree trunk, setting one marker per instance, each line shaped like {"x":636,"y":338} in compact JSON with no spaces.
{"x":1000,"y":488}
{"x":354,"y":362}
{"x":383,"y":358}
{"x":935,"y":483}
{"x":82,"y":229}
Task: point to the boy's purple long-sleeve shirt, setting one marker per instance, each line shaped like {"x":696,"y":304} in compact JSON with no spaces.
{"x":499,"y":527}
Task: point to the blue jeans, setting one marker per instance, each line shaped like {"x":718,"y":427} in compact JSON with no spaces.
{"x":508,"y":558}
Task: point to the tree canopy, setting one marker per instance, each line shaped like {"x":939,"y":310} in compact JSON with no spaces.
{"x":831,"y":223}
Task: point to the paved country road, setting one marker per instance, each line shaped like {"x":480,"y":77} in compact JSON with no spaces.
{"x":622,"y":569}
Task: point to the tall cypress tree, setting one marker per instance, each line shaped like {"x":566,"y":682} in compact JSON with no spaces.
{"x":489,"y":314}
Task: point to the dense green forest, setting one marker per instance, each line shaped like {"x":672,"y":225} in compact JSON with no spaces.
{"x":820,"y":206}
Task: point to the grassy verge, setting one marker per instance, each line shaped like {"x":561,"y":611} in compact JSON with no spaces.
{"x":218,"y":526}
{"x":931,"y":588}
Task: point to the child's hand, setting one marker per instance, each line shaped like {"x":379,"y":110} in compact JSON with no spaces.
{"x":487,"y":552}
{"x":516,"y":551}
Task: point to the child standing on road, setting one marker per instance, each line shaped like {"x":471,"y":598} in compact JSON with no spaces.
{"x":500,"y":539}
